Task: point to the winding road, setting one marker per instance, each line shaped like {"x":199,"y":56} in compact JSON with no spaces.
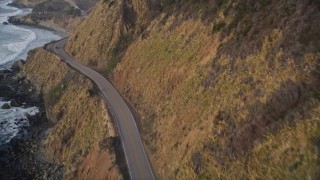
{"x":136,"y":158}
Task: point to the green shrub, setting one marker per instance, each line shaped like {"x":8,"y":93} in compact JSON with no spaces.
{"x":217,"y":27}
{"x":55,"y":93}
{"x":112,"y":63}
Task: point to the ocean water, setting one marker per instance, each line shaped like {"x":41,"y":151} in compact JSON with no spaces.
{"x":15,"y":42}
{"x":13,"y":120}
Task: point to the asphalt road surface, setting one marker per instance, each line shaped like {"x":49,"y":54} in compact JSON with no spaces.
{"x":136,"y":158}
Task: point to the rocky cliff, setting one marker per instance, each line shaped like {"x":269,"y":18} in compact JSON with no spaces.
{"x":226,"y":89}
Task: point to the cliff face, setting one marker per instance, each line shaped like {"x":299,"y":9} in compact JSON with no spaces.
{"x":116,"y":20}
{"x":83,"y":137}
{"x":223,"y":88}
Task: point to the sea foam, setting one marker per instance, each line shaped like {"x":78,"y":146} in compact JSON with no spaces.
{"x":15,"y":41}
{"x":4,"y":16}
{"x":19,"y":37}
{"x":13,"y":120}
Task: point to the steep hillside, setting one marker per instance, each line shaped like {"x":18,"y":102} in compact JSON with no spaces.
{"x":83,"y":5}
{"x":226,"y":89}
{"x":83,"y":138}
{"x":116,"y":21}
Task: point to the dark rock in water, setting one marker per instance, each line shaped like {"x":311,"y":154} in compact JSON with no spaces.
{"x":14,"y":103}
{"x":5,"y":91}
{"x":21,"y":158}
{"x":14,"y":20}
{"x":5,"y":23}
{"x":16,"y":88}
{"x":6,"y":71}
{"x":17,"y":66}
{"x":17,"y":5}
{"x":5,"y":106}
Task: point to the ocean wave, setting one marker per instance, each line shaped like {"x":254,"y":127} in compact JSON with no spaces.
{"x":16,"y":45}
{"x":15,"y":41}
{"x":27,"y":37}
{"x":5,"y":2}
{"x":16,"y":48}
{"x":4,"y":16}
{"x":13,"y":120}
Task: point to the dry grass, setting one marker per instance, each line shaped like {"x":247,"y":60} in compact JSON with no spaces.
{"x":80,"y":117}
{"x":214,"y":98}
{"x":102,"y":40}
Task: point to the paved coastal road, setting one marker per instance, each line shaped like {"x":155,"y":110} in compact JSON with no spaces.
{"x":137,"y":161}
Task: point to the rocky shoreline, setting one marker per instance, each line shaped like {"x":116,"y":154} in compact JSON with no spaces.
{"x":22,"y":157}
{"x":56,"y":15}
{"x":18,"y":5}
{"x":16,"y":20}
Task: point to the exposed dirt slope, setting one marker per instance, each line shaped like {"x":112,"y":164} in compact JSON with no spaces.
{"x":84,"y":138}
{"x":224,"y":89}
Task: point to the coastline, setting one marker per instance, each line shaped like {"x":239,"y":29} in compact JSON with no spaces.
{"x":58,"y":32}
{"x":43,"y":36}
{"x":40,"y":31}
{"x":22,"y":157}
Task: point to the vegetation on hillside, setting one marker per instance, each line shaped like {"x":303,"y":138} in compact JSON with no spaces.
{"x":83,"y":138}
{"x":224,"y":89}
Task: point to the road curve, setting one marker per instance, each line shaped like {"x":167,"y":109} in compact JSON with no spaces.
{"x":136,"y":158}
